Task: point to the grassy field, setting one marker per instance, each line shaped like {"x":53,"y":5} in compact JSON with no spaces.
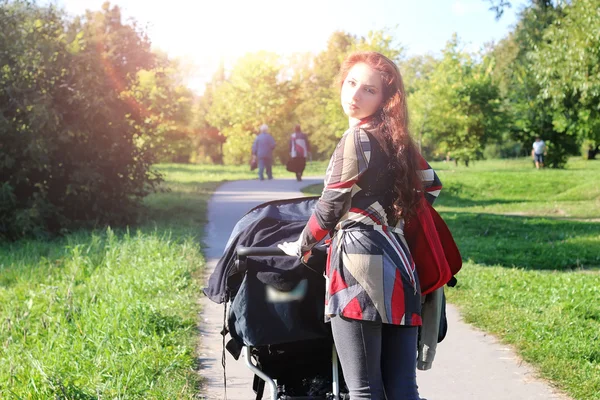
{"x":531,"y":244}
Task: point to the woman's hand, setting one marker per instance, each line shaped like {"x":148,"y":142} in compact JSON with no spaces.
{"x":291,"y":248}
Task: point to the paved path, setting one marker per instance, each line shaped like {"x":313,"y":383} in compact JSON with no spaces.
{"x":469,"y":364}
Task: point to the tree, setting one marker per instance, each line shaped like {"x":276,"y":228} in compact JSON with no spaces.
{"x":460,"y":105}
{"x":567,"y":68}
{"x":381,"y":41}
{"x":70,"y":152}
{"x":498,"y":7}
{"x":416,"y":73}
{"x":255,"y":93}
{"x":529,"y":113}
{"x":166,"y":106}
{"x":208,"y":140}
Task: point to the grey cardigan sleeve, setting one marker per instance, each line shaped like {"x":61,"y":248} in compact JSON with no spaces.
{"x":431,"y":313}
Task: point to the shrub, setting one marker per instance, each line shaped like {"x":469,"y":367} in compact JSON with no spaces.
{"x":71,"y":153}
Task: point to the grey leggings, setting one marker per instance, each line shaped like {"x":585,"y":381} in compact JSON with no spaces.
{"x":379,"y":361}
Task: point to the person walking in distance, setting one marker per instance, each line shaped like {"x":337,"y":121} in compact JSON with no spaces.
{"x":299,"y":150}
{"x":538,"y":152}
{"x":262,"y":150}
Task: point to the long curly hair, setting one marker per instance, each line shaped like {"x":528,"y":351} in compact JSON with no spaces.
{"x":390,"y":128}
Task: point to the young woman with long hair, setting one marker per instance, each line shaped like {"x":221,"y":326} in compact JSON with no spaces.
{"x":373,"y":182}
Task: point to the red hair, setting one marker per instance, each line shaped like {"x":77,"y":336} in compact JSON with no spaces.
{"x":390,"y":123}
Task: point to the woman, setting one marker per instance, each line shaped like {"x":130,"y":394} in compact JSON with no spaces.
{"x":374,"y":180}
{"x":299,"y":149}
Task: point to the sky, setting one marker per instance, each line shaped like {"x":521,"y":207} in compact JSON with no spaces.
{"x":204,"y":32}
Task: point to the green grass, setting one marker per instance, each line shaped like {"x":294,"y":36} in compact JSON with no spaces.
{"x":514,"y":188}
{"x":531,"y":242}
{"x":99,"y":315}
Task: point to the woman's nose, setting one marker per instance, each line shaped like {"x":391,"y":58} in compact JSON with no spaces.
{"x":355,"y":93}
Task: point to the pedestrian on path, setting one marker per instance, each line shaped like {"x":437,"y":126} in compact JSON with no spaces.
{"x":262,"y":151}
{"x":538,"y":151}
{"x":299,"y":150}
{"x":373,"y":182}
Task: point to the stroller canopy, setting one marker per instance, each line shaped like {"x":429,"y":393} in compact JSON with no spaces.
{"x":274,"y":299}
{"x":264,"y":226}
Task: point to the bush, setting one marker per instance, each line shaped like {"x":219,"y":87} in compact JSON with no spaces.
{"x":589,"y":149}
{"x":71,"y":153}
{"x":505,"y":149}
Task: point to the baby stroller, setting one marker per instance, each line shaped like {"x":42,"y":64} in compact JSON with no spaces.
{"x":276,"y":305}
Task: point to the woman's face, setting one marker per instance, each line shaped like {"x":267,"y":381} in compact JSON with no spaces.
{"x":362,"y":92}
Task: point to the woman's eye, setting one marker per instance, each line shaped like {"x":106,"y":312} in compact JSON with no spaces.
{"x":352,"y":83}
{"x":371,"y":91}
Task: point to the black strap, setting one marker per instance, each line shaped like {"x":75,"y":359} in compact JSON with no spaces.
{"x":223,"y":355}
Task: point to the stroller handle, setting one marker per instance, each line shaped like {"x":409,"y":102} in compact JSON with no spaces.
{"x":259,"y":251}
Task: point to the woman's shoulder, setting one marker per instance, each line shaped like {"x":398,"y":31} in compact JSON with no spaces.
{"x":355,"y":139}
{"x":357,"y":133}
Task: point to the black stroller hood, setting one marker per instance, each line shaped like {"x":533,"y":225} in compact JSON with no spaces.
{"x":265,"y":225}
{"x":274,"y":299}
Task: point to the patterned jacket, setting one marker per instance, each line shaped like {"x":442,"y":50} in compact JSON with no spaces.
{"x":370,"y":272}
